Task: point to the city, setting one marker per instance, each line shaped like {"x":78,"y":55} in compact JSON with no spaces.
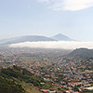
{"x":60,"y":73}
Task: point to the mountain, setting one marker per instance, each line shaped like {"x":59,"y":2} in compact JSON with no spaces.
{"x":34,"y":38}
{"x":62,"y":37}
{"x":81,"y":52}
{"x":25,"y":39}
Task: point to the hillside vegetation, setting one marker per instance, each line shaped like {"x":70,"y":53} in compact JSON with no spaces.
{"x":18,"y":80}
{"x":81,"y":53}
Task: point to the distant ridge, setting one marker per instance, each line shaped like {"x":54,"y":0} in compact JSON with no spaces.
{"x":33,"y":38}
{"x":62,"y":37}
{"x":30,"y":38}
{"x":82,"y":53}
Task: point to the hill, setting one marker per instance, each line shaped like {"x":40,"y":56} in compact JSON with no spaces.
{"x":62,"y":37}
{"x":17,"y":80}
{"x":82,"y":53}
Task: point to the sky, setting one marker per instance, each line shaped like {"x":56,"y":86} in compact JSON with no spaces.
{"x":73,"y":18}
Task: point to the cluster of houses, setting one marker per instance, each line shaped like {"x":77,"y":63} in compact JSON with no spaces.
{"x":61,"y":73}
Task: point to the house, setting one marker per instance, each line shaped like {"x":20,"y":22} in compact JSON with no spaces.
{"x":45,"y":91}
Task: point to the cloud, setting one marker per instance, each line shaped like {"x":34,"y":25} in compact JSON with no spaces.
{"x":54,"y":44}
{"x":43,"y":0}
{"x":71,"y":5}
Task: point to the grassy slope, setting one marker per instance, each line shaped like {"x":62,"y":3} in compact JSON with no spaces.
{"x":20,"y":77}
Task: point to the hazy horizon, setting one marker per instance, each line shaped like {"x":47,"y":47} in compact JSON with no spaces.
{"x":72,"y":18}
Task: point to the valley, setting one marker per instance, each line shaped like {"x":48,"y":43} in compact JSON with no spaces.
{"x":58,"y":72}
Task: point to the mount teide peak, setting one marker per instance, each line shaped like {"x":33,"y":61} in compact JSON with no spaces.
{"x":61,"y":37}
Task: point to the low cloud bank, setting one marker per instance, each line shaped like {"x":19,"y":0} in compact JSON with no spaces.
{"x":54,"y":44}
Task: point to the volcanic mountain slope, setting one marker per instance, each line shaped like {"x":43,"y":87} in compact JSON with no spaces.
{"x":25,"y":39}
{"x":35,"y":38}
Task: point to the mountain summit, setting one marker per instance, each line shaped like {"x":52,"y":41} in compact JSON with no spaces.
{"x":62,"y":37}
